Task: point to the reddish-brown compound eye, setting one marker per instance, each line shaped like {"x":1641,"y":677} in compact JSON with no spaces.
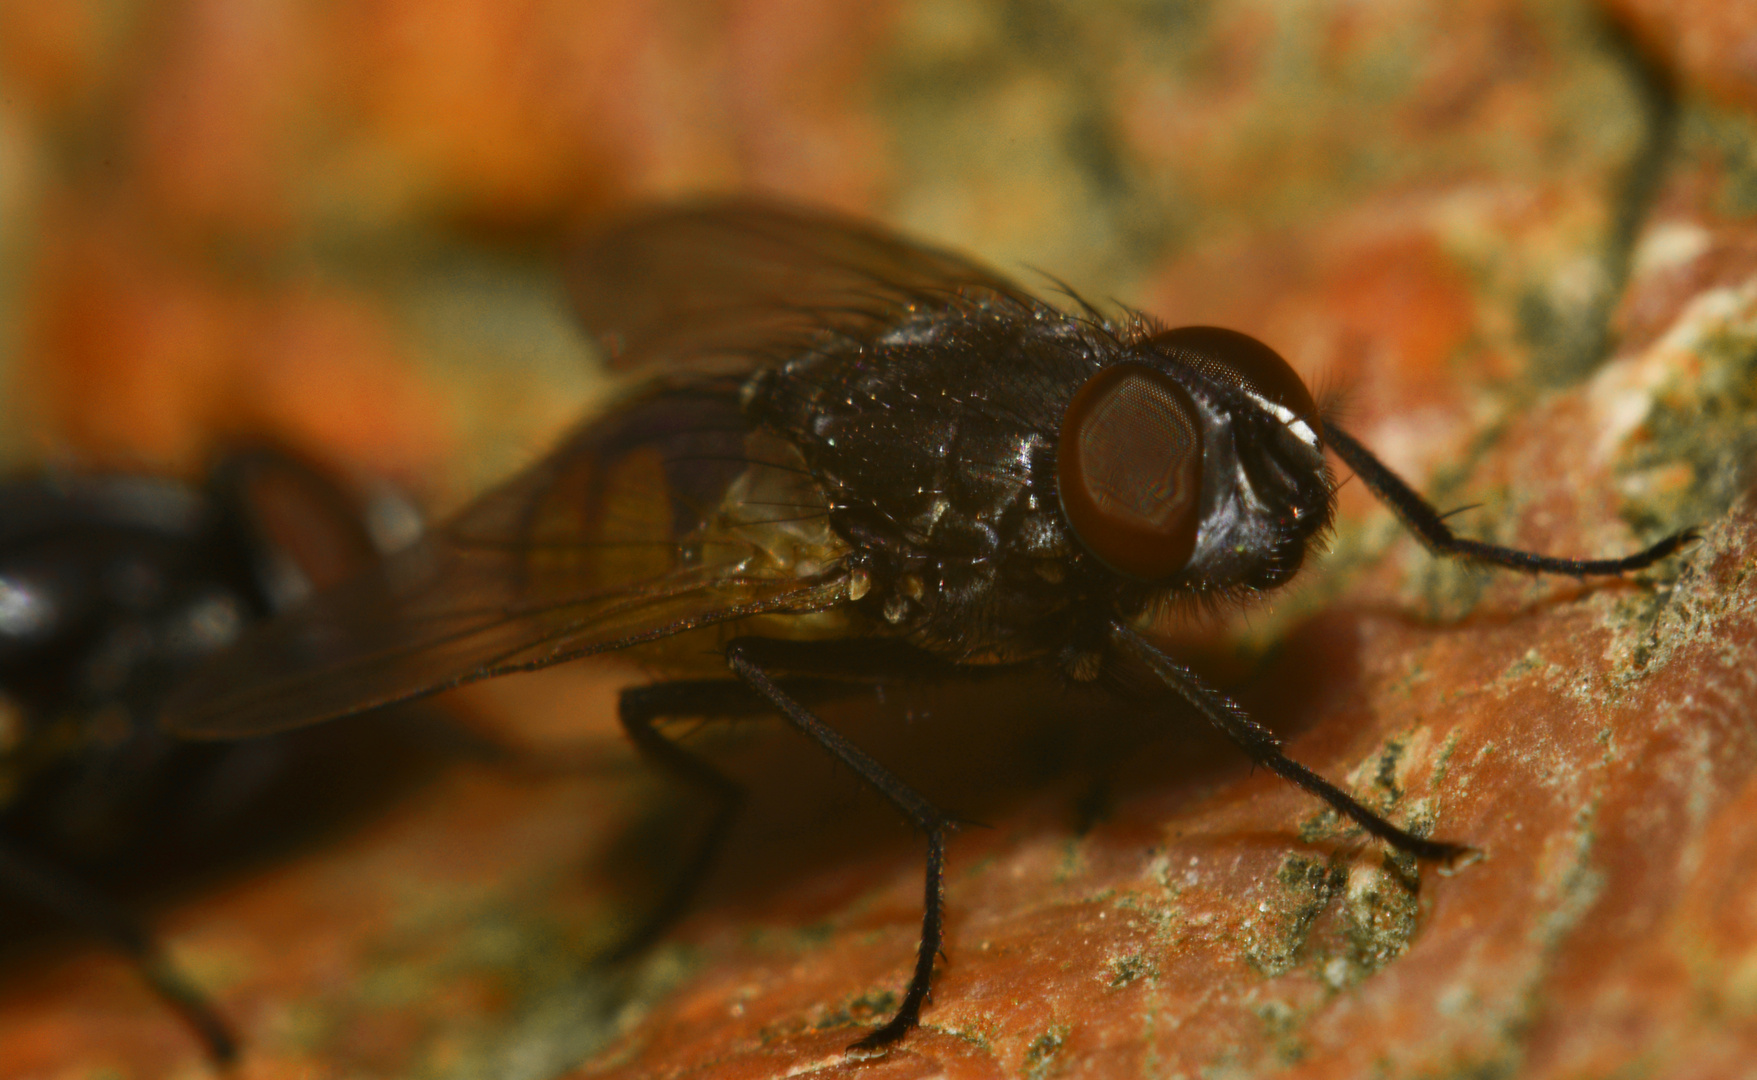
{"x":1240,"y":360}
{"x":1130,"y":471}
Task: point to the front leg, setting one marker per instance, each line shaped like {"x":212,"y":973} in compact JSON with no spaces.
{"x":1265,"y":749}
{"x":1430,"y":528}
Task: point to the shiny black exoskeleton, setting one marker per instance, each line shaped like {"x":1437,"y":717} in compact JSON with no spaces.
{"x":938,"y":446}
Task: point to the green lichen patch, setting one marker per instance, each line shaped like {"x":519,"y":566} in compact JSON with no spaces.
{"x":1274,"y":936}
{"x":1042,"y":1056}
{"x":1129,"y":968}
{"x":1281,"y":1023}
{"x":1700,"y":430}
{"x":1380,"y":914}
{"x":1724,"y":142}
{"x":1346,"y":919}
{"x":1385,"y":777}
{"x":567,"y":1021}
{"x":865,"y":1008}
{"x":1516,"y":672}
{"x":1698,"y":441}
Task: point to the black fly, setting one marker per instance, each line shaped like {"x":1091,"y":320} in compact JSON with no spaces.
{"x":849,"y":457}
{"x":112,"y":586}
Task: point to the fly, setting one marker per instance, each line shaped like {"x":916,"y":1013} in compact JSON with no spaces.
{"x":112,"y":587}
{"x":852,"y":458}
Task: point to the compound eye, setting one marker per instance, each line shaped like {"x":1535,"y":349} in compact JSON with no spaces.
{"x":1129,"y":469}
{"x":1241,"y":360}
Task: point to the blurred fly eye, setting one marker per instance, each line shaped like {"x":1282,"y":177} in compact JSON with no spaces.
{"x":1129,"y":470}
{"x":1241,"y":360}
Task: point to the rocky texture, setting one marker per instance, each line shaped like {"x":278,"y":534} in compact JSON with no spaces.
{"x":1710,"y":47}
{"x":1529,"y":269}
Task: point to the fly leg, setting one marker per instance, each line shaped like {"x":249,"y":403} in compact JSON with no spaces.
{"x":743,"y":656}
{"x":717,"y":699}
{"x":1265,"y":749}
{"x":54,"y":892}
{"x":1430,"y":528}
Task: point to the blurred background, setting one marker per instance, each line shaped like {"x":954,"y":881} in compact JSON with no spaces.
{"x":336,"y":224}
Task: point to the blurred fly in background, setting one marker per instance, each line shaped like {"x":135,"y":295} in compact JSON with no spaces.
{"x":112,"y":588}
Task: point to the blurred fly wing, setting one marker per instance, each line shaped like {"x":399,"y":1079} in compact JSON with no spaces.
{"x":665,"y":515}
{"x":733,"y":286}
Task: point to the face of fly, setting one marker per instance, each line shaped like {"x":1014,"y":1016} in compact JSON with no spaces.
{"x":1196,"y":464}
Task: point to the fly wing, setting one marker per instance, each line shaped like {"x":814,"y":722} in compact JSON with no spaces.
{"x":732,"y":286}
{"x":665,"y":515}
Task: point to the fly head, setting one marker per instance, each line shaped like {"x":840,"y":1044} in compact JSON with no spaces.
{"x":1195,"y":465}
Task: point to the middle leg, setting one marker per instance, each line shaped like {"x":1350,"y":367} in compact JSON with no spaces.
{"x":924,"y":815}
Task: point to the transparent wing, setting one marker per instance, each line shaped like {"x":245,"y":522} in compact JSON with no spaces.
{"x":666,"y":515}
{"x":734,"y":285}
